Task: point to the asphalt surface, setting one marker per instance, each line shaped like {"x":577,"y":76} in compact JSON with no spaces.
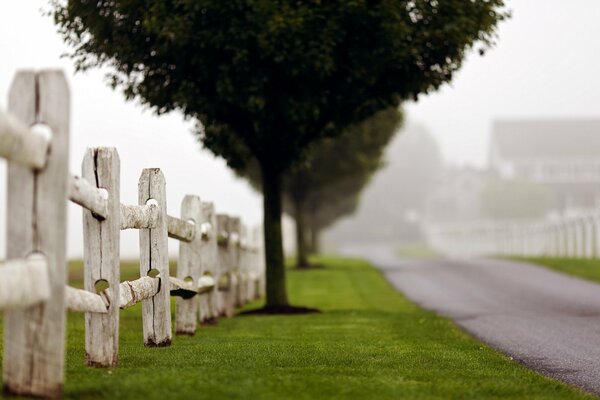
{"x":546,"y":320}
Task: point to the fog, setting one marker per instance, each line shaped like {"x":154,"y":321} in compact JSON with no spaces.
{"x":537,"y":91}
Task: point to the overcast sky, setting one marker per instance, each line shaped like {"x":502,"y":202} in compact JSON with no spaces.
{"x":546,"y":64}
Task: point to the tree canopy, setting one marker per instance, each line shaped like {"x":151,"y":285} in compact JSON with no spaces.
{"x":266,"y":78}
{"x":277,"y":73}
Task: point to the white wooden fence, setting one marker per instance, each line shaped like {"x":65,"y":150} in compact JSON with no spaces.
{"x":220,"y":263}
{"x":575,"y":236}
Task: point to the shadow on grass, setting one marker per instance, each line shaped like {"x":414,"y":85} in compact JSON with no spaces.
{"x":310,"y":267}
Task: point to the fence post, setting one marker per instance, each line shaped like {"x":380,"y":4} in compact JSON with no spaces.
{"x":101,"y":167}
{"x":34,"y":337}
{"x":244,"y":264}
{"x":261,"y":262}
{"x":225,"y":296}
{"x":208,"y":310}
{"x":156,"y":312}
{"x":189,"y":266}
{"x":254,"y":262}
{"x":235,"y":250}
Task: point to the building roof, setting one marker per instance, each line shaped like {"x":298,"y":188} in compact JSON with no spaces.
{"x":546,"y":139}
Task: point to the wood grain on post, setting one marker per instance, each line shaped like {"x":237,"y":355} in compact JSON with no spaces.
{"x":101,"y":252}
{"x":34,"y":337}
{"x":188,"y":263}
{"x":156,"y":312}
{"x":209,"y":304}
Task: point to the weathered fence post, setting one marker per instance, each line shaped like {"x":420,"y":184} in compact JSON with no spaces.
{"x":254,"y":264}
{"x":34,"y":337}
{"x":225,"y":278}
{"x":101,"y":167}
{"x":208,"y":310}
{"x":234,"y":260}
{"x":261,"y":262}
{"x":244,"y":264}
{"x":156,"y":311}
{"x":189,"y":266}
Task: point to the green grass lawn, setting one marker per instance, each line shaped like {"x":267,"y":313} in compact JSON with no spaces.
{"x":586,"y":269}
{"x":369,"y":343}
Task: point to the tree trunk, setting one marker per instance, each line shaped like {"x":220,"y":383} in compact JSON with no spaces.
{"x":276,"y":292}
{"x":301,"y":245}
{"x":314,"y":240}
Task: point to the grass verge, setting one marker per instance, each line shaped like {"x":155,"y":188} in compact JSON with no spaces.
{"x":369,"y":342}
{"x":587,"y":269}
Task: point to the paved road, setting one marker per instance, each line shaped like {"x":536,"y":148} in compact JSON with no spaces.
{"x":546,"y":320}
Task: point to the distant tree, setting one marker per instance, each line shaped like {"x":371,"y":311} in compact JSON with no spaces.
{"x":327,"y":185}
{"x":321,"y":215}
{"x":265,"y":79}
{"x":515,"y":199}
{"x":411,"y":176}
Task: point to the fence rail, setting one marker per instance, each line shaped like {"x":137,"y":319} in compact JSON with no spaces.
{"x":220,"y":265}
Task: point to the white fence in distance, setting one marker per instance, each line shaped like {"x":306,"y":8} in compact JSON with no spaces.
{"x":220,"y":264}
{"x":575,"y":236}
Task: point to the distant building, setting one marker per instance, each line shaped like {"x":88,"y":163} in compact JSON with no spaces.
{"x":561,"y":154}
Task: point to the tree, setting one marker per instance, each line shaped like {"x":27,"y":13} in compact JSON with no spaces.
{"x":329,"y":186}
{"x":404,"y":188}
{"x":326,"y":186}
{"x":266,"y":78}
{"x":322,"y":214}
